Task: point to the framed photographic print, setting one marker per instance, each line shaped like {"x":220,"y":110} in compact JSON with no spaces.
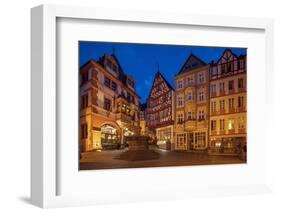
{"x":149,"y":106}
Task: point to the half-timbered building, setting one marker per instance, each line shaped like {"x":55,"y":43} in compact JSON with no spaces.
{"x":160,"y":111}
{"x":228,"y":101}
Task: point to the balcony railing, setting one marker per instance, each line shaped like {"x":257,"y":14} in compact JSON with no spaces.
{"x":123,"y":117}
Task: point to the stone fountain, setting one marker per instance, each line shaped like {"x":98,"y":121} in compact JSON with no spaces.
{"x":138,"y":149}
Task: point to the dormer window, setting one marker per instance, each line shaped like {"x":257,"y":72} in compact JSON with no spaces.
{"x":111,"y":66}
{"x":114,"y":68}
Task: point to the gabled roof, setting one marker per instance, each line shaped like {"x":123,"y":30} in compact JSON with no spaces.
{"x":226,"y":50}
{"x":157,"y":74}
{"x":84,"y":65}
{"x":191,"y":63}
{"x":122,"y":77}
{"x":168,"y":84}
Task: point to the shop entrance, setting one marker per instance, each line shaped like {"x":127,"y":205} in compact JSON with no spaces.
{"x":109,"y":137}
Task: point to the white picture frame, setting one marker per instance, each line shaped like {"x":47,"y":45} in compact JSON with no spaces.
{"x":44,"y":154}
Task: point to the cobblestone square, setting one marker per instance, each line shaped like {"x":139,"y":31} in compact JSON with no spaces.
{"x":107,"y":160}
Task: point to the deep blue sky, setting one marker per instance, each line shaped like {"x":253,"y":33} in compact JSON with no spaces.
{"x":140,"y":60}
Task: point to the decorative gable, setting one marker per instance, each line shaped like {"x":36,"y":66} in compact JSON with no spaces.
{"x":160,"y":86}
{"x":191,"y":63}
{"x":227,"y":56}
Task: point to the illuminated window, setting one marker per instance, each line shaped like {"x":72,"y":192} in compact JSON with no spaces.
{"x":230,"y":124}
{"x":201,"y":96}
{"x":201,"y":115}
{"x":180,"y":118}
{"x":190,"y":115}
{"x":180,"y":100}
{"x":217,"y":144}
{"x":213,"y":106}
{"x":180,"y":84}
{"x":213,"y":125}
{"x":241,"y":122}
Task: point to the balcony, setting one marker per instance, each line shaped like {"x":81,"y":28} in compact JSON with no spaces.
{"x":104,"y":112}
{"x":123,"y":117}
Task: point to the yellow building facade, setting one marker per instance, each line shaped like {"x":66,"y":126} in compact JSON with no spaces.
{"x":192,"y":105}
{"x":228,"y":105}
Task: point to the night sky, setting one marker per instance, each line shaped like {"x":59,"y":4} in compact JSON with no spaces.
{"x":141,"y":60}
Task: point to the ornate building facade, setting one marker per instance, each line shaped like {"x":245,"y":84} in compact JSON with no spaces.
{"x":160,"y":111}
{"x":192,"y":105}
{"x":109,"y":105}
{"x":228,"y":101}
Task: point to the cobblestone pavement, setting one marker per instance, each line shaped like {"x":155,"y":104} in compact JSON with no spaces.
{"x":106,"y":160}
